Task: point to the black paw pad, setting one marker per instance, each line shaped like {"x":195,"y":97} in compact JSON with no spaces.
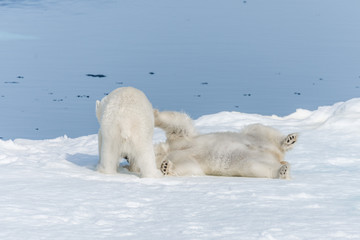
{"x":164,"y":167}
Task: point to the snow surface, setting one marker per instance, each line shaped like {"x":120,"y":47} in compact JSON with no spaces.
{"x":50,"y":190}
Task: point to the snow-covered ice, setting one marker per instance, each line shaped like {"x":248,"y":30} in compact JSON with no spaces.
{"x":50,"y":189}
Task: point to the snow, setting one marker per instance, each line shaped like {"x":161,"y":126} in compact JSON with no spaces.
{"x":50,"y":189}
{"x":292,"y":65}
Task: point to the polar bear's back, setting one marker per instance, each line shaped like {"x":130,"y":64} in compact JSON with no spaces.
{"x":126,"y":110}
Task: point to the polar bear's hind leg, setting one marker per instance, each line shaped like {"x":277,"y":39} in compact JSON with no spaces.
{"x":108,"y":156}
{"x":289,"y":141}
{"x":284,"y":171}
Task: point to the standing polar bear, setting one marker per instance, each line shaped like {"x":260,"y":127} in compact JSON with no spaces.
{"x":256,"y":151}
{"x":126,"y":129}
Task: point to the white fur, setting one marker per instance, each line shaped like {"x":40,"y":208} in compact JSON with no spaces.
{"x":256,"y":151}
{"x":126,"y":129}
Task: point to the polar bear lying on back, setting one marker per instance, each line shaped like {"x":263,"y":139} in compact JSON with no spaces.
{"x":126,"y":129}
{"x":256,"y":151}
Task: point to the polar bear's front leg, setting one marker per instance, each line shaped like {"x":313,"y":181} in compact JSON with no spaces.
{"x":166,"y":167}
{"x":180,"y":163}
{"x":176,"y":125}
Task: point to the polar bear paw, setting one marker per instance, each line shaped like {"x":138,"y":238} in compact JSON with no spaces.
{"x":284,"y":171}
{"x":289,"y":141}
{"x":165,"y":167}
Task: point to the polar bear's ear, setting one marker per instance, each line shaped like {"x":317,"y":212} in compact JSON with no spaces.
{"x":289,"y":141}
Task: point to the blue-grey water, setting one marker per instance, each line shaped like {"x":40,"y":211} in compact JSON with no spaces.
{"x":202,"y":57}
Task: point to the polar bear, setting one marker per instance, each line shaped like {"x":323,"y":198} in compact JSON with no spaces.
{"x":255,"y":151}
{"x":126,"y":129}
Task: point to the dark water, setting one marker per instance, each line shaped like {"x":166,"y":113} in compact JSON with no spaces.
{"x":201,"y":57}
